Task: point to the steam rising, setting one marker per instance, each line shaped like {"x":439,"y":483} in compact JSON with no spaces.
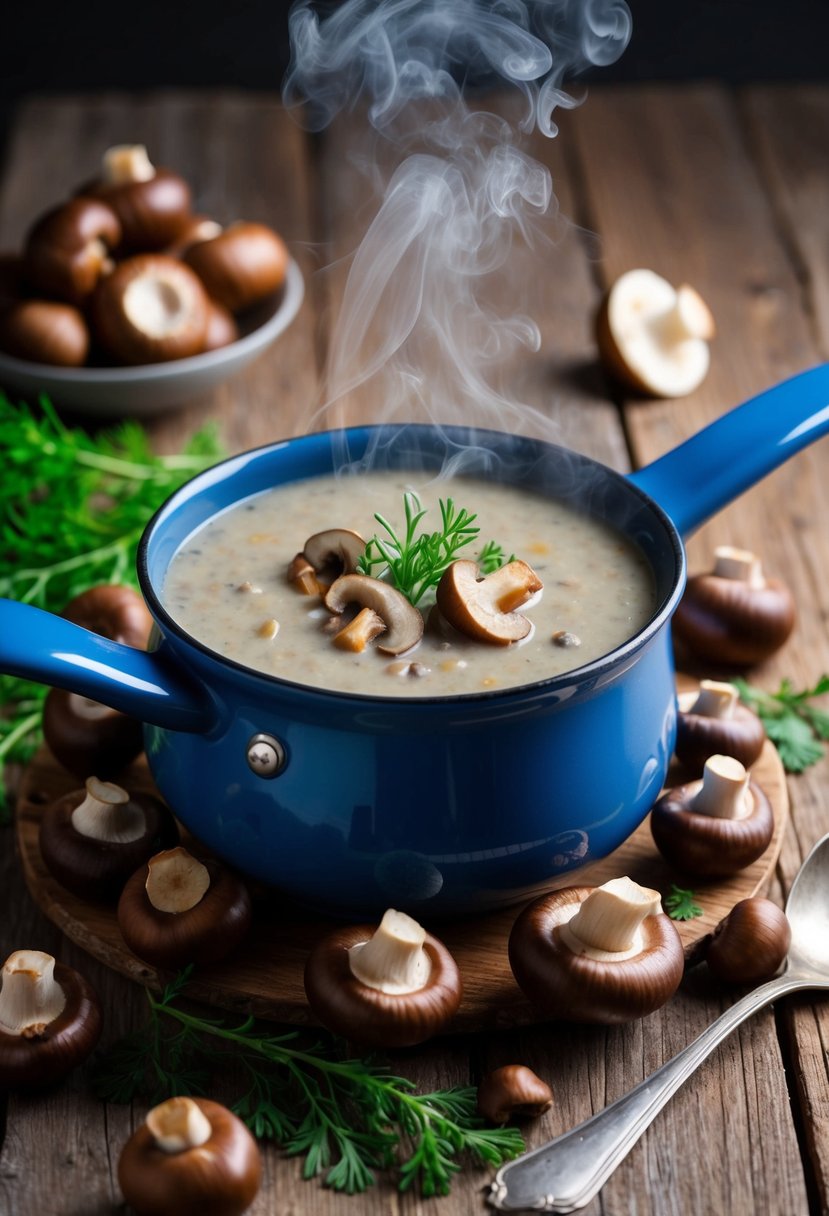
{"x":466,"y":207}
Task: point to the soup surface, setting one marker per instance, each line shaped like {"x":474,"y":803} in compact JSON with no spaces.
{"x":228,"y":587}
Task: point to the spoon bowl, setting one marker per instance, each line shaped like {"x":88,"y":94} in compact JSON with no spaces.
{"x":807,"y":910}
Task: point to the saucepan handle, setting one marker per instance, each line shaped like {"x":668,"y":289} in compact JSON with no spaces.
{"x":702,"y":475}
{"x":40,"y":646}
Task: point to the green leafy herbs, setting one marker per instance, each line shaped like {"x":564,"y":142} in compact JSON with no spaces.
{"x":347,"y":1117}
{"x":414,"y":560}
{"x":72,"y":510}
{"x":796,"y":728}
{"x":680,"y":904}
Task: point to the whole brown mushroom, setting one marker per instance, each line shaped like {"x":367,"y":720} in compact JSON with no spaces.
{"x":221,"y":327}
{"x":69,"y":249}
{"x":244,"y":264}
{"x":190,"y":1157}
{"x":152,"y":204}
{"x":151,"y":309}
{"x":44,"y":331}
{"x":712,"y":722}
{"x":748,"y":945}
{"x":513,"y":1091}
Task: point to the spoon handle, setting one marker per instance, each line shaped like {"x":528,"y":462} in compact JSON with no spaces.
{"x":564,"y":1174}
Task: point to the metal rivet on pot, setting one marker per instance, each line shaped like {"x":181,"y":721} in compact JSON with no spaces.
{"x":266,"y":756}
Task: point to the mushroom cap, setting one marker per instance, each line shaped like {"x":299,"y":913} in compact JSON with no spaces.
{"x":67,"y":249}
{"x":483,"y":607}
{"x":65,"y":1042}
{"x":335,"y":549}
{"x":705,"y":845}
{"x":114,"y":611}
{"x":45,"y":331}
{"x":221,"y":327}
{"x":367,"y":1016}
{"x":513,"y":1090}
{"x":87,"y":737}
{"x":750,"y":943}
{"x":577,"y":988}
{"x":151,"y":309}
{"x":698,"y":737}
{"x":98,"y":869}
{"x":728,"y":622}
{"x":241,"y":266}
{"x":404,"y":624}
{"x":152,"y":213}
{"x":218,"y":1178}
{"x":204,"y":934}
{"x":654,"y":337}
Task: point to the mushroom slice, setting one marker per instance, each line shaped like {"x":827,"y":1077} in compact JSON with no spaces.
{"x":653,"y":336}
{"x":484,"y":608}
{"x":404,"y":624}
{"x":335,"y":549}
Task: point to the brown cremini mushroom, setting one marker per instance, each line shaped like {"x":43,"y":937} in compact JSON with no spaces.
{"x":403,"y":623}
{"x":713,"y":827}
{"x":44,"y":331}
{"x":92,"y":840}
{"x":196,"y":228}
{"x":149,"y":310}
{"x":747,"y":946}
{"x":712,"y":722}
{"x":485,"y":608}
{"x":190,"y":1157}
{"x":50,"y":1020}
{"x":241,"y":266}
{"x":221,"y":327}
{"x":734,"y":616}
{"x":597,"y":954}
{"x":333,"y":553}
{"x":391,"y":985}
{"x":152,"y":204}
{"x":513,"y":1091}
{"x":654,"y":337}
{"x":177,"y":910}
{"x":68,"y":249}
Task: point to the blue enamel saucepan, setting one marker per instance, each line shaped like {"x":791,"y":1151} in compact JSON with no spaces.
{"x":443,"y":804}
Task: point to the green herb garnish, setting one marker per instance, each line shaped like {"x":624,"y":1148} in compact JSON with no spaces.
{"x":797,"y":729}
{"x":680,"y":904}
{"x":347,"y":1117}
{"x":414,"y":562}
{"x":73,"y":508}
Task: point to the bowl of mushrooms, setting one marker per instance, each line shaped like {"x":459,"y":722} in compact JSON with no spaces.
{"x":123,"y":301}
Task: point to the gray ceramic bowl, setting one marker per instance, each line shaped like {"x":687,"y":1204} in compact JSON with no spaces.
{"x":141,"y":391}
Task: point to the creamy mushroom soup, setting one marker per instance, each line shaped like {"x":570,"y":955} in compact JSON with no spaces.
{"x":228,"y":586}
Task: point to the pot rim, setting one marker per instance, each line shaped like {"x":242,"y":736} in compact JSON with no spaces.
{"x":590,"y":672}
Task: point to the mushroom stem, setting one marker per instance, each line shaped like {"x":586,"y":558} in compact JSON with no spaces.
{"x":740,"y":565}
{"x":715,"y":700}
{"x":177,"y":1125}
{"x":126,"y":163}
{"x":176,"y":881}
{"x":724,"y":792}
{"x":107,"y":813}
{"x":30,"y":996}
{"x":688,"y":317}
{"x":393,"y":959}
{"x":607,"y":922}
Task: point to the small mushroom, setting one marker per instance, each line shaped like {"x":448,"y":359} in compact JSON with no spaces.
{"x":513,"y":1091}
{"x":747,"y":946}
{"x":485,"y":608}
{"x":221,"y":327}
{"x":196,"y":228}
{"x":654,"y":337}
{"x":388,"y":986}
{"x":50,"y":1020}
{"x":149,"y":310}
{"x":303,"y":576}
{"x":44,"y":331}
{"x":713,"y":827}
{"x":734,"y":616}
{"x":177,"y":910}
{"x":190,"y":1157}
{"x":68,"y":249}
{"x":241,"y":266}
{"x":357,"y":634}
{"x":712,"y":722}
{"x":152,"y":204}
{"x":93,"y":839}
{"x":403,"y":622}
{"x":597,"y":954}
{"x":333,"y":553}
{"x":114,"y":611}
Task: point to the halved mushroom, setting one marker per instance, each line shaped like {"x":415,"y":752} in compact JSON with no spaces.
{"x":44,"y":331}
{"x":654,"y":337}
{"x":484,"y":608}
{"x":68,"y":249}
{"x":597,"y":954}
{"x":403,"y":622}
{"x":712,"y":722}
{"x":152,"y":204}
{"x":149,"y":310}
{"x":713,"y":827}
{"x":333,"y":552}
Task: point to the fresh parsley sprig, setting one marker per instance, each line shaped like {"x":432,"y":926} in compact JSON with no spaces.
{"x":796,"y":728}
{"x":414,"y":562}
{"x":680,"y":904}
{"x":347,"y":1117}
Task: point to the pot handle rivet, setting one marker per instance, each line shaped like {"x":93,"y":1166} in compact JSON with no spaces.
{"x":266,"y":756}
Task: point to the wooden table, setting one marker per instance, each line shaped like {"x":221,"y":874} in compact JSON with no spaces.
{"x":729,"y":193}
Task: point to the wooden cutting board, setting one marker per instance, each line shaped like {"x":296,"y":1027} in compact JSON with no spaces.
{"x":265,"y":978}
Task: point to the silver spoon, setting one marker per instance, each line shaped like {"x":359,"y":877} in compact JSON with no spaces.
{"x":564,"y":1174}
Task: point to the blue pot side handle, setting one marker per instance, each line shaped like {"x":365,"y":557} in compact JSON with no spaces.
{"x":40,"y":646}
{"x":695,"y":480}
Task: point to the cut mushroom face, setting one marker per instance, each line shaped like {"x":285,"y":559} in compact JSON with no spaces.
{"x":403,"y":623}
{"x":654,"y":337}
{"x":597,"y":954}
{"x":149,"y":310}
{"x":712,"y":722}
{"x":333,"y":552}
{"x":485,"y":608}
